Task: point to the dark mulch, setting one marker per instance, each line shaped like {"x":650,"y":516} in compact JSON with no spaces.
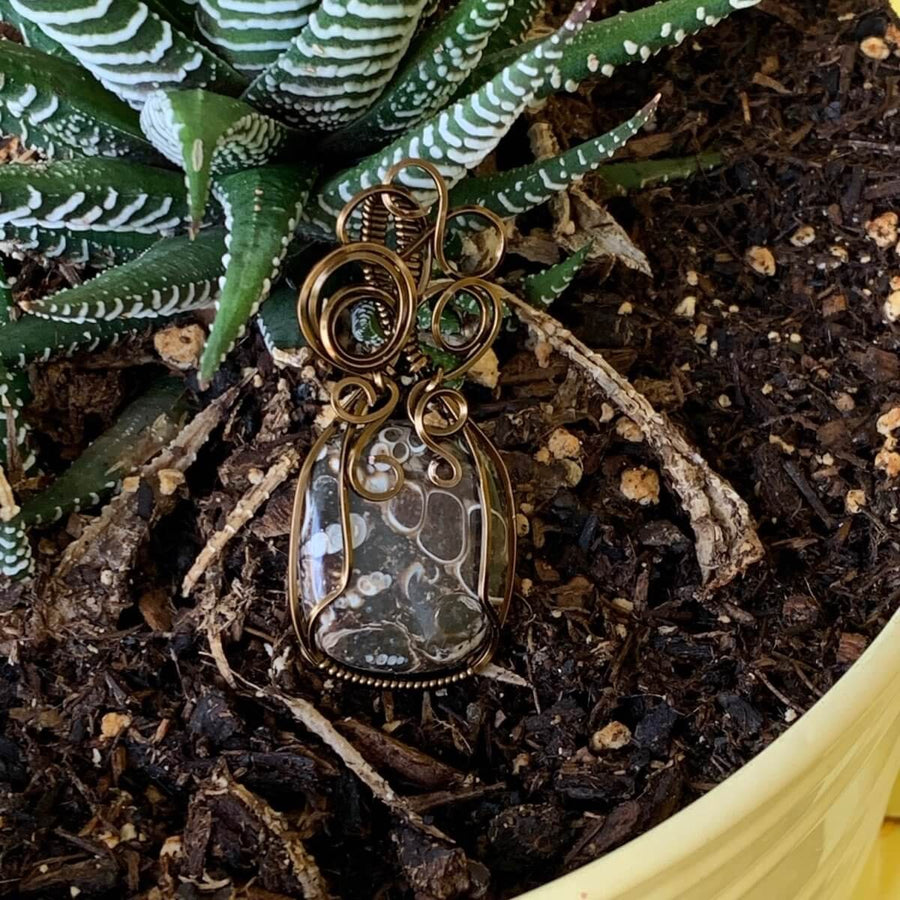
{"x":779,"y":381}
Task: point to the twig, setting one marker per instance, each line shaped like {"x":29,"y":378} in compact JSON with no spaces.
{"x":242,"y":513}
{"x":310,"y":717}
{"x":726,"y":541}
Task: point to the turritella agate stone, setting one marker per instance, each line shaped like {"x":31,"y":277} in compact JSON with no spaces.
{"x":411,"y":607}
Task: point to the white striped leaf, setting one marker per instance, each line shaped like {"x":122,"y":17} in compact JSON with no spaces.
{"x":208,"y":134}
{"x":92,"y":195}
{"x":100,"y":249}
{"x":175,"y":275}
{"x":462,"y":135}
{"x":517,"y":190}
{"x":128,"y":47}
{"x":54,"y":105}
{"x":439,"y":61}
{"x":252,"y":34}
{"x":542,"y":288}
{"x":339,"y":63}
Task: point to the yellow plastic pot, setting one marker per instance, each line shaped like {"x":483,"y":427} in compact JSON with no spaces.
{"x":798,"y":822}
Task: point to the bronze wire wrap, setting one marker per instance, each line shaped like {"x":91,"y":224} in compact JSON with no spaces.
{"x":398,"y":281}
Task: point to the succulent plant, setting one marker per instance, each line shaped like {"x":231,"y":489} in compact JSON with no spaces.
{"x":188,"y":147}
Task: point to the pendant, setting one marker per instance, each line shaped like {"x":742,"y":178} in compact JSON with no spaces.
{"x":403,"y":548}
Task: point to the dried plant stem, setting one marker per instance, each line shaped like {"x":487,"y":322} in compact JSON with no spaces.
{"x":725,"y":535}
{"x":242,"y":513}
{"x":319,"y":725}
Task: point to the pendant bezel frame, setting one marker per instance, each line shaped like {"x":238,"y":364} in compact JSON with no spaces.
{"x":304,"y":623}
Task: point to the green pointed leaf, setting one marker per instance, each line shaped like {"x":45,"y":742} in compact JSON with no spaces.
{"x":516,"y":25}
{"x":278,"y":322}
{"x":54,"y":105}
{"x":463,"y":134}
{"x":175,"y":275}
{"x":128,"y":47}
{"x":16,"y":559}
{"x":437,"y":64}
{"x":636,"y":36}
{"x":338,"y":64}
{"x":635,"y":175}
{"x":99,"y":249}
{"x":625,"y":38}
{"x":542,"y":288}
{"x":208,"y":134}
{"x":92,"y":195}
{"x":517,"y":190}
{"x":31,"y":34}
{"x":252,"y":34}
{"x":262,"y":207}
{"x":29,"y":338}
{"x":143,"y":427}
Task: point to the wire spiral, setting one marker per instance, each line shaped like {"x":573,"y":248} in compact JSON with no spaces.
{"x":390,"y":243}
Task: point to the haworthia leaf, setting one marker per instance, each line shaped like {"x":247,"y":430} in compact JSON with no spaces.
{"x":208,"y":134}
{"x":16,"y":558}
{"x":516,"y":25}
{"x":463,"y":134}
{"x":635,"y":175}
{"x":92,"y":195}
{"x":173,"y":276}
{"x":636,"y":36}
{"x":142,"y":428}
{"x":100,"y":249}
{"x":512,"y":192}
{"x":252,"y":34}
{"x":543,"y":288}
{"x":338,"y":64}
{"x":31,"y":34}
{"x":128,"y":47}
{"x":625,"y":38}
{"x":438,"y":62}
{"x":179,"y":12}
{"x":30,"y":337}
{"x":262,"y":207}
{"x":277,"y":320}
{"x":54,"y":105}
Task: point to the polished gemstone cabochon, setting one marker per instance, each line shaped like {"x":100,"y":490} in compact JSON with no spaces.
{"x":411,"y":606}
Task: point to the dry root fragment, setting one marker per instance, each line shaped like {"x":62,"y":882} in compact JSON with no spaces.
{"x":854,"y":501}
{"x":725,"y":536}
{"x":640,"y":485}
{"x":883,"y":230}
{"x":761,"y":260}
{"x":803,"y":236}
{"x":180,"y":345}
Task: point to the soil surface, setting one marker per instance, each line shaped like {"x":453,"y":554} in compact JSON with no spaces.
{"x":147,"y":747}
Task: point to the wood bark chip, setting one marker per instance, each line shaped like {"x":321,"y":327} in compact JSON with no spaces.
{"x":726,"y":541}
